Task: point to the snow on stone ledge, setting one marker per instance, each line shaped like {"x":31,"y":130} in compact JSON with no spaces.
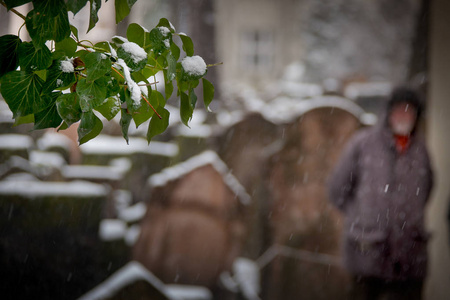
{"x":33,"y":189}
{"x":131,"y":272}
{"x":88,"y":172}
{"x":187,"y":292}
{"x":206,"y":158}
{"x":133,"y":213}
{"x":285,"y":110}
{"x":247,"y":275}
{"x":43,"y":158}
{"x":115,"y":145}
{"x":367,"y":89}
{"x":15,"y":141}
{"x":112,"y":230}
{"x":132,"y":235}
{"x":53,"y":139}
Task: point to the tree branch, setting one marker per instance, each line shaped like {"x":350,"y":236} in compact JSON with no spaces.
{"x":14,"y":11}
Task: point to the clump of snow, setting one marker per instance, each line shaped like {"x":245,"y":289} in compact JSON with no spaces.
{"x":171,"y":26}
{"x":133,"y":213}
{"x":134,"y":88}
{"x":15,"y":141}
{"x":136,"y":52}
{"x":66,"y":66}
{"x":164,"y":30}
{"x":132,"y":235}
{"x":142,"y":85}
{"x":122,"y":199}
{"x":206,"y":158}
{"x":194,"y":65}
{"x":246,"y":273}
{"x":112,"y":229}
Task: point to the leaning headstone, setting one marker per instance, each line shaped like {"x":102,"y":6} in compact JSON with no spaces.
{"x":302,"y":217}
{"x":194,"y":214}
{"x":245,"y":147}
{"x":14,"y":145}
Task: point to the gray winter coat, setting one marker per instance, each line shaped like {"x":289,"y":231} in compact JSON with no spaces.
{"x":382,"y":195}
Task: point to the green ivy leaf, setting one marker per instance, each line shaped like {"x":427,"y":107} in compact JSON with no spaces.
{"x":171,"y":66}
{"x":74,"y":30}
{"x":165,"y":23}
{"x":109,"y":108}
{"x":68,"y":107}
{"x":49,"y":117}
{"x":90,"y":127}
{"x":92,"y":94}
{"x":32,"y":59}
{"x":112,"y":88}
{"x":9,"y":60}
{"x":186,"y":109}
{"x":157,"y":125}
{"x":24,"y":120}
{"x":160,"y":41}
{"x":188,"y":46}
{"x":97,"y":65}
{"x":76,"y":5}
{"x":208,"y":92}
{"x":123,"y":8}
{"x":57,"y":79}
{"x":21,"y":90}
{"x":125,"y":121}
{"x":168,"y":86}
{"x":175,"y":50}
{"x":142,"y":114}
{"x":137,"y":34}
{"x":192,"y":97}
{"x":93,"y":15}
{"x":14,"y":3}
{"x":66,"y":47}
{"x":48,"y":21}
{"x":157,"y":99}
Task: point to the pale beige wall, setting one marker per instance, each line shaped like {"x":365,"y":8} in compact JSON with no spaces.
{"x":438,"y":120}
{"x":282,"y":17}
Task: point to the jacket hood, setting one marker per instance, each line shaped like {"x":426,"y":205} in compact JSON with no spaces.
{"x":400,"y":95}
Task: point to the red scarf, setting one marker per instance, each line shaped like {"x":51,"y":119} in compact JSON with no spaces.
{"x":401,"y":142}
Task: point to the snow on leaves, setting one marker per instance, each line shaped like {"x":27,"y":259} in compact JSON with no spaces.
{"x":76,"y":81}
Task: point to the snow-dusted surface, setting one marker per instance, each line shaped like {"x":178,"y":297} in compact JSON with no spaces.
{"x":33,"y":189}
{"x":135,"y":90}
{"x":50,"y":159}
{"x":132,"y":235}
{"x":92,"y":172}
{"x":112,"y":230}
{"x":131,"y":272}
{"x":15,"y":142}
{"x":247,"y":275}
{"x":201,"y":131}
{"x":122,"y":199}
{"x":53,"y":139}
{"x":367,"y":89}
{"x":115,"y":145}
{"x":194,"y":65}
{"x":187,"y":292}
{"x":203,"y":159}
{"x":133,"y":213}
{"x":284,"y":109}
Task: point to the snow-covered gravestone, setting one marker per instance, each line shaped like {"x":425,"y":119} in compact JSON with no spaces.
{"x":302,"y":216}
{"x":14,"y":145}
{"x":193,"y":228}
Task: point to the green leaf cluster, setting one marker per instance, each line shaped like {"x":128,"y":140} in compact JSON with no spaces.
{"x":72,"y":81}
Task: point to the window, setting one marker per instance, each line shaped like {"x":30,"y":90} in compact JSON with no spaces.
{"x":256,"y":50}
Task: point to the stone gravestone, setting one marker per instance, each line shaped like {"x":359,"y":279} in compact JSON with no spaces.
{"x":245,"y":147}
{"x":48,"y":245}
{"x":302,"y":217}
{"x":193,"y":228}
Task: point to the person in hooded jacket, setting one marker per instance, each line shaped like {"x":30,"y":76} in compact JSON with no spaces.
{"x":381,"y":184}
